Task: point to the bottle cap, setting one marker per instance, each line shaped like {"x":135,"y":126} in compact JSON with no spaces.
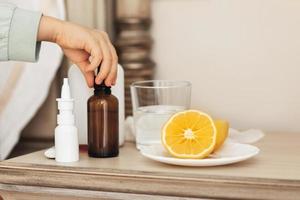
{"x":101,"y":87}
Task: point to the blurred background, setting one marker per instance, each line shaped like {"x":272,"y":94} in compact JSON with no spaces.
{"x":242,"y":57}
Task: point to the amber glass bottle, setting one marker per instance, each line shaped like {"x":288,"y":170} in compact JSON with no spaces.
{"x":103,"y":123}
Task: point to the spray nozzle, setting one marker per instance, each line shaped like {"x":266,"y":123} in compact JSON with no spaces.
{"x":65,"y":90}
{"x":65,"y":105}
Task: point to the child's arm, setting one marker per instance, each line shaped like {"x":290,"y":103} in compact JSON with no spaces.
{"x":21,"y":32}
{"x":83,"y":46}
{"x":18,"y":32}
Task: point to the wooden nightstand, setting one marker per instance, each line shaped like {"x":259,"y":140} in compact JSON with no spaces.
{"x":273,"y":174}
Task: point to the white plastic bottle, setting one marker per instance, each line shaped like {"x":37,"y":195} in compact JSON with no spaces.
{"x":66,"y":136}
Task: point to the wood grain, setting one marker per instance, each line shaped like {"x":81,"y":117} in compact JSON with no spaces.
{"x":273,"y":174}
{"x":37,"y":193}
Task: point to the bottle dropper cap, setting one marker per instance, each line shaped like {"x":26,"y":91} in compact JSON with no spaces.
{"x":101,"y":86}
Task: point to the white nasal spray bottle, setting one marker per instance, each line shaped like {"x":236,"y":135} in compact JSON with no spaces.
{"x":66,"y":136}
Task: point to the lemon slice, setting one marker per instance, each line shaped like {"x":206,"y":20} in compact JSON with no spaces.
{"x":222,"y":133}
{"x":189,"y":134}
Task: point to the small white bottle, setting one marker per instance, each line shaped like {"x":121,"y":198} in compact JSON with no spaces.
{"x":66,"y":136}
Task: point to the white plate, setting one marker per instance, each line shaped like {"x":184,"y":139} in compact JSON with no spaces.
{"x":230,"y":153}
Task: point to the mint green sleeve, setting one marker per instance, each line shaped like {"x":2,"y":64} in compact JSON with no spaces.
{"x":18,"y":33}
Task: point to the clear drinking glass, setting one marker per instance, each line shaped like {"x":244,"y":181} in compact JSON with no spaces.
{"x":153,"y":103}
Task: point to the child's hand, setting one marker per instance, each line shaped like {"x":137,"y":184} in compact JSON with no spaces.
{"x":85,"y":47}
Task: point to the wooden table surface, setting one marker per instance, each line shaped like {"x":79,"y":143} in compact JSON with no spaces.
{"x":273,"y":174}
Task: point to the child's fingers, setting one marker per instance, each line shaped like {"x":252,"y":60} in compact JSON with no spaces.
{"x":106,"y":64}
{"x":88,"y":75}
{"x":89,"y":78}
{"x":112,"y":76}
{"x":111,"y":79}
{"x":94,"y":48}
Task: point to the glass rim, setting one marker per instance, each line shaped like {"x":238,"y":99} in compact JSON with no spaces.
{"x":178,"y":84}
